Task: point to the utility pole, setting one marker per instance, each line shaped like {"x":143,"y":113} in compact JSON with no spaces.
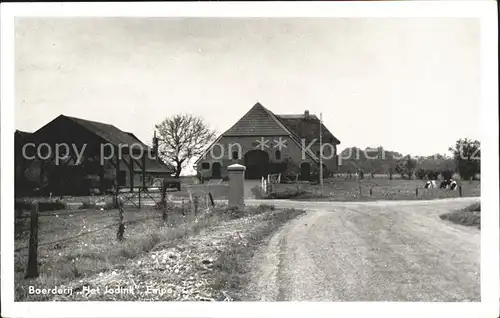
{"x":321,"y":153}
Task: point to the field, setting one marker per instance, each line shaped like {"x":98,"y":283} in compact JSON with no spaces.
{"x":335,"y":189}
{"x":372,"y":189}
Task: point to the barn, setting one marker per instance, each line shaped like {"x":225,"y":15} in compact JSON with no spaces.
{"x":267,"y":143}
{"x":86,"y":139}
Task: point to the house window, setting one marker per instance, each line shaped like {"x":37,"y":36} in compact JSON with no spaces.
{"x":278,"y":155}
{"x":205,"y":166}
{"x":235,"y":155}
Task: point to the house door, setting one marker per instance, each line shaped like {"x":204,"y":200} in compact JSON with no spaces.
{"x":305,"y":171}
{"x":257,"y":164}
{"x":216,"y":170}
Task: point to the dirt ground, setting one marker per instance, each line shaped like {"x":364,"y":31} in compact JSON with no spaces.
{"x":371,"y":251}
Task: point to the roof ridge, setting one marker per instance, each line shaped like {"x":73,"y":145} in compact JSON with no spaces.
{"x":108,"y":132}
{"x":291,"y":134}
{"x":92,"y":121}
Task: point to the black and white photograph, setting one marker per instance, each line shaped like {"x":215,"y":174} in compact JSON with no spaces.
{"x":210,"y":158}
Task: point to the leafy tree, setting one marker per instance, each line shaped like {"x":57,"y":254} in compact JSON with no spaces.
{"x":406,"y":167}
{"x":447,"y":174}
{"x":421,"y":173}
{"x":467,"y":155}
{"x":181,"y":138}
{"x":432,"y":175}
{"x":361,"y":174}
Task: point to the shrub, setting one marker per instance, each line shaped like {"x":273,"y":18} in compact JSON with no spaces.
{"x":51,"y":205}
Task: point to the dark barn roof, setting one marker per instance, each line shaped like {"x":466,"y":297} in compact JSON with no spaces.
{"x":23,"y":134}
{"x":107,"y":132}
{"x":21,"y":138}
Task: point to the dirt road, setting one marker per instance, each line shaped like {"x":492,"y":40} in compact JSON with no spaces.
{"x":374,"y":251}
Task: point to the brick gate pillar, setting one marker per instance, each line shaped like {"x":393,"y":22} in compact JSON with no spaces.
{"x":236,"y":175}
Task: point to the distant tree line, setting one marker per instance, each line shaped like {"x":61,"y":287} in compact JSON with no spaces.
{"x":464,"y":160}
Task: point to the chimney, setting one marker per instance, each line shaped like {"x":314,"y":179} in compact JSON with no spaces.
{"x":155,"y":146}
{"x":306,"y":114}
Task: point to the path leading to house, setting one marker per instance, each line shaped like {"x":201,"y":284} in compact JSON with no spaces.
{"x":370,"y":251}
{"x":249,"y":185}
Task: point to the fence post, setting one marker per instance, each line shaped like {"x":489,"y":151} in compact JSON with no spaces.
{"x":460,"y":190}
{"x":211,"y":199}
{"x":164,"y":211}
{"x":115,"y":196}
{"x":195,"y":204}
{"x":371,"y":191}
{"x":182,"y":206}
{"x":191,"y":201}
{"x":416,"y":192}
{"x":121,"y":226}
{"x":32,"y":270}
{"x":360,"y":191}
{"x":139,"y":191}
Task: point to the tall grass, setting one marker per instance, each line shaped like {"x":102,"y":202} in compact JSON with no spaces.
{"x":98,"y":253}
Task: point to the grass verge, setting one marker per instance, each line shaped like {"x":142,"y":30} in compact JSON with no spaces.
{"x":469,"y":216}
{"x":231,"y":269}
{"x":99,"y":252}
{"x":191,"y":258}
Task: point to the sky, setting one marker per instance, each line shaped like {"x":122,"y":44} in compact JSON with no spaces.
{"x":409,"y":84}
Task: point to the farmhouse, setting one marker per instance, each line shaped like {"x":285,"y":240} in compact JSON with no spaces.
{"x":88,"y":139}
{"x":267,"y":143}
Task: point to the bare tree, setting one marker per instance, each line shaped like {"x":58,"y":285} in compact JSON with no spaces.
{"x":181,"y":138}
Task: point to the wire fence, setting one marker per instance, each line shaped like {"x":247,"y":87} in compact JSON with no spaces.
{"x":160,"y":204}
